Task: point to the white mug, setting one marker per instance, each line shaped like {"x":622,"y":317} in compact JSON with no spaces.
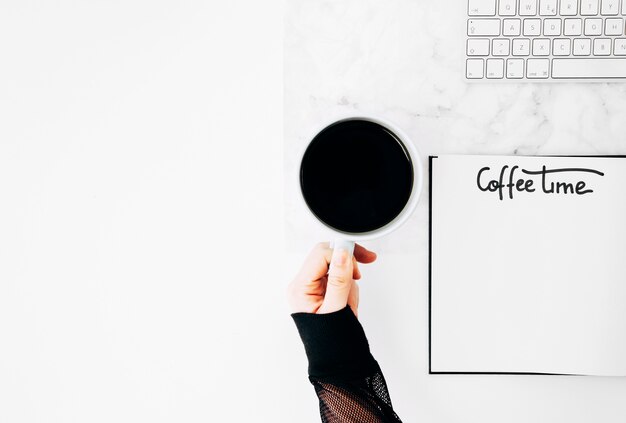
{"x":346,"y":240}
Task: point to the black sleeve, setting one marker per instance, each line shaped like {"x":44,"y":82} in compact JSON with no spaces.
{"x":348,"y":381}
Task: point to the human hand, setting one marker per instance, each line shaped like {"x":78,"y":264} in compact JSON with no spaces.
{"x":326,"y":280}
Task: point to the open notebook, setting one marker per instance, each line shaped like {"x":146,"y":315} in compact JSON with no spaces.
{"x":528,"y":265}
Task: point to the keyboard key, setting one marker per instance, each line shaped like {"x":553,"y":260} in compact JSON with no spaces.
{"x":482,"y":7}
{"x":500,"y":47}
{"x":483,"y":27}
{"x":527,"y":7}
{"x":478,"y":47}
{"x":532,"y":27}
{"x":495,"y":68}
{"x":623,"y":7}
{"x":475,"y":69}
{"x":515,"y":68}
{"x":561,"y":47}
{"x":511,"y":27}
{"x":573,"y":27}
{"x":614,"y":26}
{"x":569,"y":7}
{"x":589,"y":7}
{"x":582,"y":47}
{"x":609,"y":7}
{"x":619,"y":49}
{"x":551,"y":27}
{"x":547,"y":7}
{"x":541,"y":47}
{"x":521,"y":47}
{"x":537,"y":68}
{"x":508,"y":7}
{"x":602,"y":47}
{"x":608,"y":68}
{"x":593,"y":26}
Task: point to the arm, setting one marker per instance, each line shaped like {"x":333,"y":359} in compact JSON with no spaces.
{"x":347,"y":379}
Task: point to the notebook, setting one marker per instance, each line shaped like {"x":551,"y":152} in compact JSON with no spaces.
{"x":527,"y":270}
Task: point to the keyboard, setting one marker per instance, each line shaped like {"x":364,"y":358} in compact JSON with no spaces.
{"x":546,"y":40}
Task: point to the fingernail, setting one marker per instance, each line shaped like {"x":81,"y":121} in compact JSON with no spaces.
{"x":340,"y":256}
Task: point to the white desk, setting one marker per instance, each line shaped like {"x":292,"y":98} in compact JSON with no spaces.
{"x":136,"y":283}
{"x":403,"y":60}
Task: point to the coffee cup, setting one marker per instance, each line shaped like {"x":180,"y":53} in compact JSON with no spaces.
{"x":361,"y":178}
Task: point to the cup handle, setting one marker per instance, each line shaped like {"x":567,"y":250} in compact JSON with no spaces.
{"x":343,"y":243}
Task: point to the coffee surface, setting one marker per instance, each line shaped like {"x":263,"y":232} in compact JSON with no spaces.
{"x":356,"y":176}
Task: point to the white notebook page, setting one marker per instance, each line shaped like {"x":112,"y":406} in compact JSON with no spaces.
{"x":532,"y":284}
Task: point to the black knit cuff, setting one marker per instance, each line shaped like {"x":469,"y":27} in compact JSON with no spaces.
{"x":335,"y":345}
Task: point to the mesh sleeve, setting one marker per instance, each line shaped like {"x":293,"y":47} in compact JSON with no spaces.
{"x":348,"y":381}
{"x":361,"y":401}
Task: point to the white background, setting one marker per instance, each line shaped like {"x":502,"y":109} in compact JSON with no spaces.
{"x":403,"y":60}
{"x":142,"y":270}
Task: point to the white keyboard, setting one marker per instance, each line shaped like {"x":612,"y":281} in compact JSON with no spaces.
{"x":535,"y":40}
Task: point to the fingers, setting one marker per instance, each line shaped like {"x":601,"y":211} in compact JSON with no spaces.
{"x":353,"y":298}
{"x":325,"y":282}
{"x":339,"y":282}
{"x":356,"y":273}
{"x":315,"y":265}
{"x":363,"y":255}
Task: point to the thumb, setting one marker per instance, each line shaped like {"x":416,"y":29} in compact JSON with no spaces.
{"x":339,"y":282}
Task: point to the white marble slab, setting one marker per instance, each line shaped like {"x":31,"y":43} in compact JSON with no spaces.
{"x":404,"y":61}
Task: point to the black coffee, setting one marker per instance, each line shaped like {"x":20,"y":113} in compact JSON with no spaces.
{"x":356,"y":176}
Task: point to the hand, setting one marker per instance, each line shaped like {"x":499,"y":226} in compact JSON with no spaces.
{"x":326,"y":281}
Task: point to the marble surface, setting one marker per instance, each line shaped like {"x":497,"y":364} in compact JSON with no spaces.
{"x":403,"y":60}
